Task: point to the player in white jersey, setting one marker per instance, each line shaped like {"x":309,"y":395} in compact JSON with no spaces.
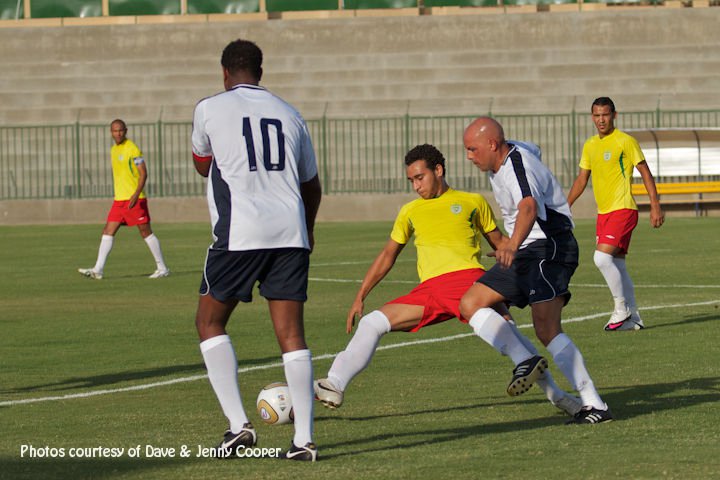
{"x":535,"y":266}
{"x":263,"y":194}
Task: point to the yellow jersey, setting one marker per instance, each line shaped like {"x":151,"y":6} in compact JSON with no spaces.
{"x":611,"y":161}
{"x":447,"y":231}
{"x":125,"y":159}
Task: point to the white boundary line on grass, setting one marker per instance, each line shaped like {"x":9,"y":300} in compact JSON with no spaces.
{"x":94,"y":393}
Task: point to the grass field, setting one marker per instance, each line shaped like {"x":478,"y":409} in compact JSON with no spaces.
{"x":115,"y":363}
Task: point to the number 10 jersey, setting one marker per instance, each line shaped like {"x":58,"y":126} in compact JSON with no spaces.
{"x":261,"y":152}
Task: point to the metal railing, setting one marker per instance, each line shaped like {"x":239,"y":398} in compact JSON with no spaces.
{"x":354,"y":155}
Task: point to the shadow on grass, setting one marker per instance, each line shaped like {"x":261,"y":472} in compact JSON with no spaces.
{"x":626,"y":402}
{"x":111,"y":379}
{"x":686,"y":321}
{"x":76,"y":468}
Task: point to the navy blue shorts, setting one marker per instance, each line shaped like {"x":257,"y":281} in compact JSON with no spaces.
{"x":282,"y":274}
{"x":540,"y":272}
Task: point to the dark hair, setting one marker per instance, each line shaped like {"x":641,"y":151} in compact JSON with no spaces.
{"x":242,"y":55}
{"x":117,"y":120}
{"x":603,"y":102}
{"x":432,"y":156}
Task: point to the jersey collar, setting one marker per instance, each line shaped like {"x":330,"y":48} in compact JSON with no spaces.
{"x":246,"y":85}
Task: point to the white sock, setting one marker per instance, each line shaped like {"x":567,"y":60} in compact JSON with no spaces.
{"x":613,"y":277}
{"x":495,"y":330}
{"x":154,"y":244}
{"x":221,"y":363}
{"x":299,"y":376}
{"x":546,"y":382}
{"x":358,"y":353}
{"x":627,"y":284}
{"x":106,"y":244}
{"x":570,"y":361}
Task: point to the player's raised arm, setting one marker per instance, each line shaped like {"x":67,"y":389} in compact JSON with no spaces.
{"x":380,"y":267}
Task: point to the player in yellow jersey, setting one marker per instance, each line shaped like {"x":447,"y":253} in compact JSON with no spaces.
{"x":610,"y":156}
{"x":130,"y":204}
{"x":447,"y":225}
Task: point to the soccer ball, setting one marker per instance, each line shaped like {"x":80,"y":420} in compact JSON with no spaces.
{"x":274,"y":404}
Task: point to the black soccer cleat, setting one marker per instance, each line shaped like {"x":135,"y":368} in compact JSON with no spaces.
{"x":233,"y":443}
{"x":525,"y":374}
{"x":308,"y":453}
{"x":589,"y":415}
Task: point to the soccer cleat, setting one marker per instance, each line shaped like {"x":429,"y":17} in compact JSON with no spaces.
{"x":326,"y":392}
{"x":308,"y":453}
{"x":160,"y":273}
{"x":234,"y":442}
{"x":90,"y":273}
{"x":569,"y":404}
{"x":634,"y":323}
{"x":525,"y":374}
{"x":590,"y":415}
{"x":617,"y":319}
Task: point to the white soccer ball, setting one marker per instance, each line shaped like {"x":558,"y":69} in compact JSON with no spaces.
{"x":274,"y":404}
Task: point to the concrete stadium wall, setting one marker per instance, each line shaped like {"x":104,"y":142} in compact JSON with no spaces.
{"x":334,"y":208}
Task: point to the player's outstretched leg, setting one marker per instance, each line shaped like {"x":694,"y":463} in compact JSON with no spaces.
{"x":353,"y":359}
{"x":495,"y":330}
{"x":564,"y":401}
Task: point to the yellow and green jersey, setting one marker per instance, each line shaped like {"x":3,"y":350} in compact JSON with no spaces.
{"x":447,"y":231}
{"x":611,"y":161}
{"x":125,"y":159}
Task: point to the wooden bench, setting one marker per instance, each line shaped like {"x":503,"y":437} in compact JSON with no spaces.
{"x":693,"y":191}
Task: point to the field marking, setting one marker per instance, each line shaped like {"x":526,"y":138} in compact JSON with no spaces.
{"x":94,"y":393}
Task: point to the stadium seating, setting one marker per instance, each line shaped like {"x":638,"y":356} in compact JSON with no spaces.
{"x":360,"y":67}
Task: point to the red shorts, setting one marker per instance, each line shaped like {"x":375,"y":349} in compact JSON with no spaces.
{"x":138,"y":215}
{"x":615,"y":228}
{"x":441,"y":296}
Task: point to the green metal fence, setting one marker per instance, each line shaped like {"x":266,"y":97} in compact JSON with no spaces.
{"x":354,"y":155}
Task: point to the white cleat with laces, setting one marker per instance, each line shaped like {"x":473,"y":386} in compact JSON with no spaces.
{"x":90,"y":273}
{"x":160,"y":273}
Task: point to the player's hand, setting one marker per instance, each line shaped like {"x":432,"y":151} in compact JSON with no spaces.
{"x":657,"y":217}
{"x":505,"y":256}
{"x":355,"y":311}
{"x":133,"y":200}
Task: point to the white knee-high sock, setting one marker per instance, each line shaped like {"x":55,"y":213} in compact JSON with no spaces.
{"x":613,"y":277}
{"x":360,"y":350}
{"x":627,"y":284}
{"x":547,"y":383}
{"x":570,"y":361}
{"x":495,"y":330}
{"x":299,"y":376}
{"x":154,"y":245}
{"x":106,"y":244}
{"x":221,"y":363}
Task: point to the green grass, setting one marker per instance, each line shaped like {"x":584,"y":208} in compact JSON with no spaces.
{"x":433,"y":410}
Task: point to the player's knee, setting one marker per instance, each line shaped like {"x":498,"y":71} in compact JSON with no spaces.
{"x":469,"y":305}
{"x":377,"y":321}
{"x":602,"y":259}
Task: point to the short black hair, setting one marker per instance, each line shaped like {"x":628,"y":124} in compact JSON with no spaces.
{"x":242,"y":55}
{"x":432,"y":156}
{"x":121,"y":122}
{"x":603,"y":102}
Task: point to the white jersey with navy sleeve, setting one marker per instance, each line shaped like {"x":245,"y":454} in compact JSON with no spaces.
{"x":261,"y":152}
{"x":521,"y":175}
